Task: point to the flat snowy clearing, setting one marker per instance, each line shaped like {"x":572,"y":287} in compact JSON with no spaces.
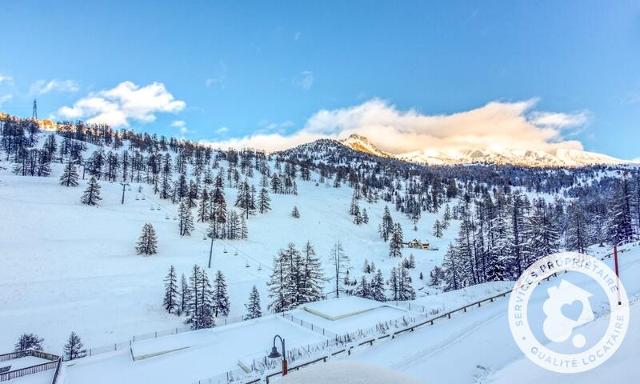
{"x":338,"y":308}
{"x":23,"y":362}
{"x":207,"y":353}
{"x":362,"y":320}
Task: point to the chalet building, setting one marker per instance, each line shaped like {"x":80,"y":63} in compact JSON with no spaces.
{"x":415,"y":243}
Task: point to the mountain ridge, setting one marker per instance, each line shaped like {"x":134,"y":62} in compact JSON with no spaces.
{"x":516,"y":157}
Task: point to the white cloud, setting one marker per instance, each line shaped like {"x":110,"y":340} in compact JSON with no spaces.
{"x":222,"y":130}
{"x":495,"y":125}
{"x":5,"y":98}
{"x":127,"y":101}
{"x":181,"y":125}
{"x":267,"y":126}
{"x":42,"y":87}
{"x":6,"y":79}
{"x":304,"y":80}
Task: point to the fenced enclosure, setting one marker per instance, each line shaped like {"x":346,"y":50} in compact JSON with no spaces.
{"x":54,"y":363}
{"x":125,"y":345}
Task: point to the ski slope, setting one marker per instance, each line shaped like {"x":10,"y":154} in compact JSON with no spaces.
{"x":69,"y":267}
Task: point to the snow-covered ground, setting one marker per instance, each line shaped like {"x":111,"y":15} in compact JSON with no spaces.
{"x":473,"y":346}
{"x":202,"y":354}
{"x":68,"y":267}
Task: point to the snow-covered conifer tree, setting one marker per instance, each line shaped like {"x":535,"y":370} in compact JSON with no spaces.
{"x":185,"y":224}
{"x":69,"y":176}
{"x":147,"y":243}
{"x":221,"y":304}
{"x":73,"y":349}
{"x":170,"y":301}
{"x":252,"y":308}
{"x":91,"y":195}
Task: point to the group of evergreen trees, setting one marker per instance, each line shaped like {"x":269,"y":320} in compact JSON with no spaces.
{"x":296,"y":278}
{"x":73,"y":349}
{"x":399,"y":285}
{"x":198,"y":299}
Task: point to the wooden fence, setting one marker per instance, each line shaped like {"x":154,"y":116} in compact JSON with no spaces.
{"x":54,"y":363}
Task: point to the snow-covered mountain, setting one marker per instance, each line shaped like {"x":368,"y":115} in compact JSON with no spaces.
{"x":362,"y":144}
{"x":527,"y":158}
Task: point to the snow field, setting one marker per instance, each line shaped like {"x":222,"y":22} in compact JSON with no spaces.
{"x":470,"y":348}
{"x":68,"y":267}
{"x":206,"y":353}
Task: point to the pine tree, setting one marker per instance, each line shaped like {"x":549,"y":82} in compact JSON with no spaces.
{"x":542,"y":233}
{"x":147,"y":243}
{"x":28,"y":341}
{"x":264,"y":201}
{"x":362,"y":289}
{"x":204,"y":207}
{"x":186,"y":220}
{"x":295,"y":213}
{"x":376,"y":287}
{"x":185,"y":296}
{"x":577,"y":229}
{"x":91,"y":195}
{"x":205,"y":318}
{"x":69,"y":177}
{"x":340,"y":262}
{"x":620,"y":224}
{"x":437,"y":229}
{"x":219,"y":211}
{"x":405,"y":288}
{"x":386,"y":228}
{"x":365,"y":216}
{"x":394,"y":284}
{"x":170,"y":301}
{"x":312,"y":279}
{"x":221,"y":305}
{"x":73,"y":348}
{"x":278,"y":283}
{"x":253,"y":306}
{"x":395,"y":243}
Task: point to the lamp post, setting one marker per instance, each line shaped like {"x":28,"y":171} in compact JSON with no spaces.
{"x":275,"y":354}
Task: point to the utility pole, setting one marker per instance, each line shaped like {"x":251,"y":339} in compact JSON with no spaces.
{"x":210,"y":249}
{"x":124,"y":186}
{"x":617,"y":270}
{"x":34,"y":114}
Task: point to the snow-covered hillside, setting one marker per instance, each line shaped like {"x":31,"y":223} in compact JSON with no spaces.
{"x":69,"y":267}
{"x":477,"y":347}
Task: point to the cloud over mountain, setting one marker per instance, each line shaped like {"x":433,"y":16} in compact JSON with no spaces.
{"x":496,"y":125}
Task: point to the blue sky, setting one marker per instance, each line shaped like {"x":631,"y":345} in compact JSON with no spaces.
{"x":235,"y":69}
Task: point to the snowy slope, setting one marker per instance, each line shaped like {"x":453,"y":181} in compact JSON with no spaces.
{"x":71,"y":267}
{"x":472,"y":346}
